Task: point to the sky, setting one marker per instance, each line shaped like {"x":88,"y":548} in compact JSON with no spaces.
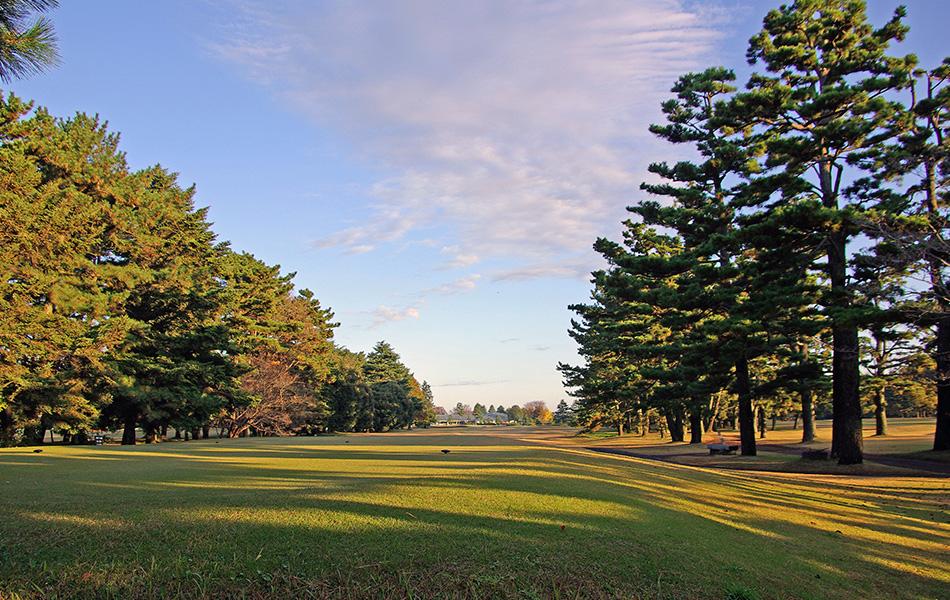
{"x":435,"y":171}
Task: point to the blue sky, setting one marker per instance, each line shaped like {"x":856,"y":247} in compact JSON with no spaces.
{"x":434,"y":170}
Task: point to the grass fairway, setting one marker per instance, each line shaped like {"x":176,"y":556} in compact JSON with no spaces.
{"x":508,"y":513}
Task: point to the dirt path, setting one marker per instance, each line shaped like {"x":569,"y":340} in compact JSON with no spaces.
{"x":922,"y":467}
{"x":916,"y":464}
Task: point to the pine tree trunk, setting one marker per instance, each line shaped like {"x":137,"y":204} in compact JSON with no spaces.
{"x":847,"y":437}
{"x":746,"y":416}
{"x":761,"y":420}
{"x":942,"y":357}
{"x":808,"y":416}
{"x":128,"y":433}
{"x":714,"y":401}
{"x":695,"y":426}
{"x":33,"y":435}
{"x":939,"y":286}
{"x":880,"y":412}
{"x":674,"y":419}
{"x":7,"y":427}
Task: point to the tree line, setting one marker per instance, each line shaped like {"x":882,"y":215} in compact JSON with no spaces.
{"x":534,"y":412}
{"x":799,"y":258}
{"x":119,"y":310}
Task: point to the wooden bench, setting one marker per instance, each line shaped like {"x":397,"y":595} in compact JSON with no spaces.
{"x":815,"y":454}
{"x":722,"y":448}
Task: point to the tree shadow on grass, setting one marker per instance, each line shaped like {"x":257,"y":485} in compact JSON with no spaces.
{"x":479,"y":522}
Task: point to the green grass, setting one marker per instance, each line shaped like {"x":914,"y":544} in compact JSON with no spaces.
{"x":508,"y":513}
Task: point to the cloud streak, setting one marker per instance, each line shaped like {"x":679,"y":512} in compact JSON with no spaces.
{"x":512,"y":129}
{"x":387,"y":314}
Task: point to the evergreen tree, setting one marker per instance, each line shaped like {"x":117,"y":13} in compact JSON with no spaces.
{"x":393,"y":403}
{"x":913,"y":174}
{"x":284,"y":343}
{"x":715,"y":338}
{"x":823,"y":99}
{"x":176,"y":366}
{"x":347,"y":392}
{"x":425,"y":411}
{"x":64,"y":278}
{"x":563,"y":413}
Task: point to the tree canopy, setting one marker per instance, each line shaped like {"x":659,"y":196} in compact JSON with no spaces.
{"x":120,"y":310}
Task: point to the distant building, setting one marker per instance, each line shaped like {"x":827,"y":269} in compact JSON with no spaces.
{"x":494,"y":417}
{"x":468,"y":418}
{"x":456,"y":419}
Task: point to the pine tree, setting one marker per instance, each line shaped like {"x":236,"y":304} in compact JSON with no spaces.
{"x":710,"y":288}
{"x":176,"y":367}
{"x":823,"y":99}
{"x":26,"y":47}
{"x":392,"y":404}
{"x":622,"y":336}
{"x":913,"y":174}
{"x":61,"y":297}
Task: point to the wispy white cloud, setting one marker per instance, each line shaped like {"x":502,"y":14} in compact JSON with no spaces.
{"x":470,"y":383}
{"x":386,"y":314}
{"x":512,"y":128}
{"x":566,"y":266}
{"x":460,"y":257}
{"x":458,"y":286}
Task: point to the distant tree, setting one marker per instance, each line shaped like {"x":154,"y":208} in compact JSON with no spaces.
{"x":563,"y":414}
{"x":500,"y":409}
{"x":914,"y":394}
{"x":885,"y":352}
{"x":389,"y":407}
{"x":426,"y":410}
{"x":347,"y":393}
{"x":917,"y":244}
{"x":491,"y":408}
{"x":516,"y":414}
{"x":26,"y":47}
{"x":537,"y":411}
{"x":384,"y":364}
{"x":254,"y":295}
{"x":461,"y":409}
{"x":392,"y":406}
{"x":479,"y":409}
{"x":287,"y":370}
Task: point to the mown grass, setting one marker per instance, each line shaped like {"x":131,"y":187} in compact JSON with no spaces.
{"x":505,"y":514}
